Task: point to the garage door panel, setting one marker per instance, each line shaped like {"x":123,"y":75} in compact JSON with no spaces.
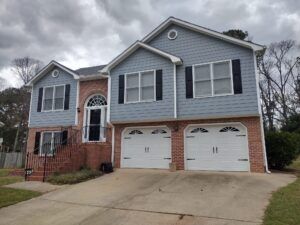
{"x":146,"y":148}
{"x":217,"y":147}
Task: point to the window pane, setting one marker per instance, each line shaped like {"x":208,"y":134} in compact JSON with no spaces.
{"x":222,"y":86}
{"x":132,"y":80}
{"x":202,"y":88}
{"x":221,"y":70}
{"x":48,"y":93}
{"x":57,"y":139}
{"x":48,"y":98}
{"x":59,"y":103}
{"x":59,"y":91}
{"x":147,"y":78}
{"x":132,"y":95}
{"x":147,"y":93}
{"x":46,"y":146}
{"x":202,"y":72}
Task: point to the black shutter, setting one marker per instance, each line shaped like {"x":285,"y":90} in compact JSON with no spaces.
{"x":40,"y":99}
{"x":237,"y":78}
{"x":121,"y":89}
{"x":159,"y":85}
{"x":64,"y":137}
{"x":37,"y":143}
{"x":189,"y":82}
{"x":67,"y":97}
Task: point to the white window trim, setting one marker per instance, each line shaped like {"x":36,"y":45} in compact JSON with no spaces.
{"x":52,"y":141}
{"x":53,"y":102}
{"x":212,"y":79}
{"x":139,"y":87}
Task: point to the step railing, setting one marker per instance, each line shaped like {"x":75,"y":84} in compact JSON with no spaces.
{"x":50,"y":157}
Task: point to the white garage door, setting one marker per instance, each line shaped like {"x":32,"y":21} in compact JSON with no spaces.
{"x":146,"y":148}
{"x":217,"y":147}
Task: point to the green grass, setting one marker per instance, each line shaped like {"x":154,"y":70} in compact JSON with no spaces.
{"x":284,"y":207}
{"x":74,"y":177}
{"x":9,"y":196}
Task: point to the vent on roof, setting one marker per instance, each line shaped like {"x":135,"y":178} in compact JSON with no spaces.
{"x":172,"y":34}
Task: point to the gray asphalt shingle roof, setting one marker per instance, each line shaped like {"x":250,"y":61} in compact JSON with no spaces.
{"x":86,"y":71}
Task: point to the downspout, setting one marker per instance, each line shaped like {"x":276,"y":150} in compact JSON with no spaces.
{"x":260,"y":115}
{"x":108,"y":119}
{"x":175,"y":92}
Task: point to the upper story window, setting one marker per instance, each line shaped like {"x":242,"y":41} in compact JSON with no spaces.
{"x":212,"y":79}
{"x":53,"y":98}
{"x":140,"y":86}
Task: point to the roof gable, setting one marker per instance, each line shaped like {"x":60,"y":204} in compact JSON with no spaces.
{"x":203,"y":30}
{"x":48,"y":68}
{"x":174,"y":59}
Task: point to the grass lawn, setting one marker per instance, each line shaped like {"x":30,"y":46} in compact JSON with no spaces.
{"x":284,"y":207}
{"x":9,"y":196}
{"x":74,"y":177}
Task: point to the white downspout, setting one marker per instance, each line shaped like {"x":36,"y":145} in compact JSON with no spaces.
{"x":260,"y":115}
{"x":175,"y":92}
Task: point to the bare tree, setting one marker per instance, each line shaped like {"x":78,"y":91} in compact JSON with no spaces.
{"x":3,"y":84}
{"x":278,"y":82}
{"x":26,"y":68}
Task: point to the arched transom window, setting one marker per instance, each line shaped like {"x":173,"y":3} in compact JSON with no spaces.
{"x":227,"y":129}
{"x":96,"y":100}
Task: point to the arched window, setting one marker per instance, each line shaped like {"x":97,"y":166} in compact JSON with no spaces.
{"x":159,"y":131}
{"x":96,"y":100}
{"x":135,"y":132}
{"x":199,"y":130}
{"x":232,"y":129}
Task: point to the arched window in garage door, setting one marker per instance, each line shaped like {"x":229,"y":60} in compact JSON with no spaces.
{"x":159,"y":131}
{"x":133,"y":132}
{"x":229,"y":129}
{"x":199,"y":130}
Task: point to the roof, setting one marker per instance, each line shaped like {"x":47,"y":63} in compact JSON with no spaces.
{"x":174,"y":59}
{"x":48,"y":68}
{"x":85,"y":71}
{"x":200,"y":29}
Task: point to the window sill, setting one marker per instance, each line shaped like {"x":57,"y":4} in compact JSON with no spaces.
{"x":147,"y":101}
{"x":212,"y":96}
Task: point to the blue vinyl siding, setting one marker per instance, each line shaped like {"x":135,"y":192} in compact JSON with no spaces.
{"x":132,"y":112}
{"x":55,"y":118}
{"x":196,"y":48}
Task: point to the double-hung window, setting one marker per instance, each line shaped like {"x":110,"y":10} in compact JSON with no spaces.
{"x":50,"y":141}
{"x":140,"y":86}
{"x":212,"y":79}
{"x":53,"y":98}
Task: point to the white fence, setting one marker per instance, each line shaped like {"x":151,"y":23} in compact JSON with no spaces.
{"x":12,"y":159}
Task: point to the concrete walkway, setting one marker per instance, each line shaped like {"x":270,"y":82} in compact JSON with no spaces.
{"x":148,"y":197}
{"x":35,"y":186}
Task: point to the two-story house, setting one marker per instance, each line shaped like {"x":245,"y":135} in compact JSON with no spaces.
{"x":184,"y":94}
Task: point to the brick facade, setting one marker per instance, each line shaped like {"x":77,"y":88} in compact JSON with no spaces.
{"x":177,"y":134}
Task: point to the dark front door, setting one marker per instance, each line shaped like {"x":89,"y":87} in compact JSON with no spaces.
{"x":94,"y":127}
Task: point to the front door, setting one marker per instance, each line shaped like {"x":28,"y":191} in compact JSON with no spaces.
{"x":94,"y":125}
{"x":94,"y":129}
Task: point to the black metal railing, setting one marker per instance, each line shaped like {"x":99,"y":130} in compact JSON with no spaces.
{"x":50,"y":156}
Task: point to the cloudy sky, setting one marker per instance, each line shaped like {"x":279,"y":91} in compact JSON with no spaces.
{"x":90,"y":32}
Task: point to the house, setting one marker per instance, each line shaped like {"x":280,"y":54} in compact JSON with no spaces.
{"x":184,"y":94}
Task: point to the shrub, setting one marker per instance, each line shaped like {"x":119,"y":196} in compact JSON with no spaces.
{"x":74,"y":177}
{"x":282,"y":148}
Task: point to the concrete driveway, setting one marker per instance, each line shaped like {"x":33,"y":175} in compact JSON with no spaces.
{"x":151,"y":197}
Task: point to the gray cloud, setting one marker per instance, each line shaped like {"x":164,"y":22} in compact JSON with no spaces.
{"x":84,"y":33}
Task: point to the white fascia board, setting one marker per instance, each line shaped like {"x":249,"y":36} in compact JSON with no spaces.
{"x":45,"y":70}
{"x":174,"y":59}
{"x":172,"y":20}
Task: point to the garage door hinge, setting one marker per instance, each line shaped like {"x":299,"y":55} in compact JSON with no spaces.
{"x":241,"y":135}
{"x":167,"y":137}
{"x":126,"y":158}
{"x":127,"y":137}
{"x":167,"y":158}
{"x":242,"y":159}
{"x":190,"y":136}
{"x":190,"y":159}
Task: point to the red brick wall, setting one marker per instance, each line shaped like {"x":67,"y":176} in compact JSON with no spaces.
{"x":177,"y":129}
